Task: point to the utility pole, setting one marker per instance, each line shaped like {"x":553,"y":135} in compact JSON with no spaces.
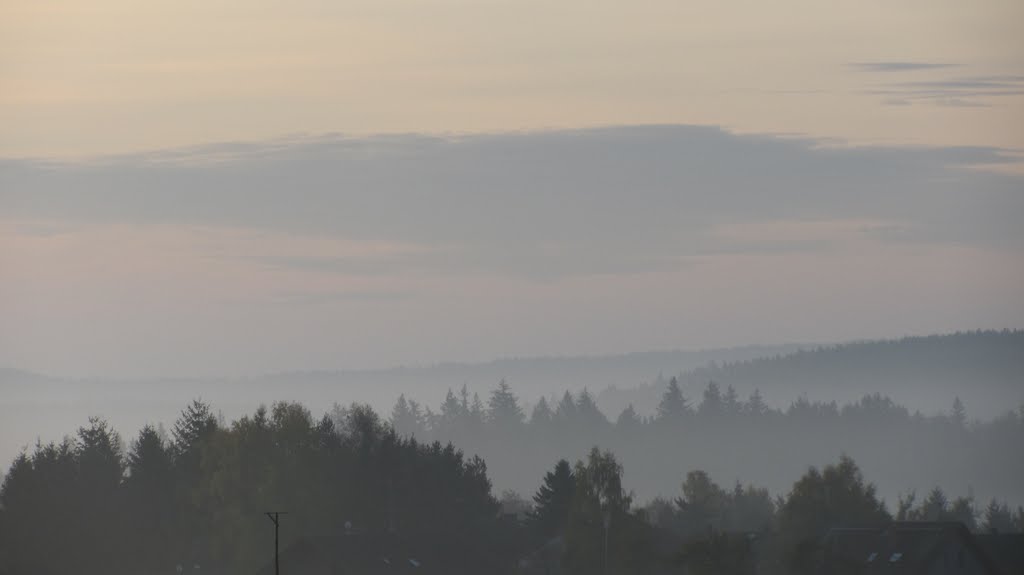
{"x":607,"y":523}
{"x":275,"y":516}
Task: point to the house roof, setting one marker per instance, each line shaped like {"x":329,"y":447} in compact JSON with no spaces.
{"x":900,"y":547}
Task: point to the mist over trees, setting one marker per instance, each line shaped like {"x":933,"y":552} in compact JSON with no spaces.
{"x":196,"y":495}
{"x":924,"y":373}
{"x":921,"y":374}
{"x":708,"y":478}
{"x":729,"y":436}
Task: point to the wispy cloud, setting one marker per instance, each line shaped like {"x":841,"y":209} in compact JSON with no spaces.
{"x":320,"y":298}
{"x":899,"y":66}
{"x":963,"y":91}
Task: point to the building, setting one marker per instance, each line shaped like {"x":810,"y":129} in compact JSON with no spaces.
{"x":911,"y":547}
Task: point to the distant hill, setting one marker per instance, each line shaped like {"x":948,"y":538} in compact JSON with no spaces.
{"x":984,"y":368}
{"x":34,"y":406}
{"x":530,"y":377}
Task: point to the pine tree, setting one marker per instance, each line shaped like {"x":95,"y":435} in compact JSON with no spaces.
{"x":194,"y":426}
{"x":628,"y":420}
{"x":712,"y":403}
{"x":540,"y":417}
{"x":731,"y":401}
{"x":100,"y":471}
{"x":959,"y":412}
{"x":404,"y":420}
{"x":148,"y":459}
{"x":100,"y":457}
{"x":553,"y":501}
{"x":587,"y":411}
{"x":935,"y":507}
{"x":503,"y":407}
{"x":464,"y":398}
{"x":998,"y":518}
{"x":149,"y":489}
{"x":451,"y":413}
{"x":565,"y":413}
{"x":419,"y":418}
{"x":962,"y":510}
{"x":476,"y":414}
{"x":673,"y":406}
{"x":755,"y":404}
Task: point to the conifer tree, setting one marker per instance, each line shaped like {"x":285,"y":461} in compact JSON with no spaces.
{"x":959,"y":412}
{"x":712,"y":403}
{"x":565,"y":413}
{"x":540,"y":417}
{"x":628,"y":420}
{"x":731,"y":401}
{"x":673,"y":406}
{"x":755,"y":404}
{"x":552,"y":501}
{"x":503,"y":407}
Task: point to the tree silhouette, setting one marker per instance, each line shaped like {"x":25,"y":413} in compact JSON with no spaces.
{"x":541,"y":416}
{"x":628,"y":421}
{"x":194,"y":426}
{"x":959,"y":412}
{"x":731,"y":404}
{"x":565,"y":413}
{"x":673,"y":406}
{"x":755,"y":404}
{"x":589,"y":416}
{"x":552,"y":502}
{"x":712,"y":403}
{"x":407,"y":418}
{"x":998,"y":518}
{"x":503,"y":407}
{"x":837,"y":496}
{"x":149,"y":493}
{"x":703,"y":504}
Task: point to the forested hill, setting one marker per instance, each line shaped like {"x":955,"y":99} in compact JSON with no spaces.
{"x":984,"y":368}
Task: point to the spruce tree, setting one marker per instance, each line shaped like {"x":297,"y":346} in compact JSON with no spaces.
{"x":553,"y":501}
{"x":673,"y":405}
{"x":540,"y":418}
{"x":503,"y":407}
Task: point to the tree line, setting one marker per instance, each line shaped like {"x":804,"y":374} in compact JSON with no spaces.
{"x":195,"y":495}
{"x":716,"y":429}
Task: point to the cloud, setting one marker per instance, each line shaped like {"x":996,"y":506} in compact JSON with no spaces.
{"x":617,"y":200}
{"x":899,"y":66}
{"x":957,"y":91}
{"x":321,"y":298}
{"x":897,"y":102}
{"x":960,"y":103}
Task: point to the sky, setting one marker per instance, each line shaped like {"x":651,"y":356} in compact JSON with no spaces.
{"x":226,"y":187}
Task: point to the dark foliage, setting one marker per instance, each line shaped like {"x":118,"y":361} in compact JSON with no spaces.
{"x":200,"y":499}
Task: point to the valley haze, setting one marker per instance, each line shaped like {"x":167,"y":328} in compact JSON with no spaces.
{"x":923,"y":374}
{"x":514,"y":287}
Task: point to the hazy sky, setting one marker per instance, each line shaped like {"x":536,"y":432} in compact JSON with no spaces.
{"x":532,"y":213}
